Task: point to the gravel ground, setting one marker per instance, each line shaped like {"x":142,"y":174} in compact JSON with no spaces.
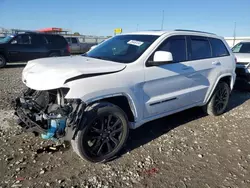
{"x":188,"y":149}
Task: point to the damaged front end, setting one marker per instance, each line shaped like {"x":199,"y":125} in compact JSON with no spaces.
{"x":49,"y":114}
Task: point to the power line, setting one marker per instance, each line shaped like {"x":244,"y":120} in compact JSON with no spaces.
{"x":234,"y":33}
{"x":162,"y":20}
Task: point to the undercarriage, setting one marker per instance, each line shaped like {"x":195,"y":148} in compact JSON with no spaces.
{"x":49,"y":114}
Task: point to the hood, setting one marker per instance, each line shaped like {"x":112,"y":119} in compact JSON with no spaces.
{"x":242,"y":57}
{"x":52,"y":73}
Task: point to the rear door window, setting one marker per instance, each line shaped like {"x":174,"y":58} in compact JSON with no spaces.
{"x":74,"y":40}
{"x":38,"y":40}
{"x":200,"y":48}
{"x":218,"y":48}
{"x":56,"y":40}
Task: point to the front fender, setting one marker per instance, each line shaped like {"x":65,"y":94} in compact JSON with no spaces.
{"x":100,"y":95}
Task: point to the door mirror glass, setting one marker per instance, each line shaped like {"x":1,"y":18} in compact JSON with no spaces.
{"x":14,"y":42}
{"x":160,"y":58}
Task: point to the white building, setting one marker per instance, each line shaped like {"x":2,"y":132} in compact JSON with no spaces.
{"x":233,"y":41}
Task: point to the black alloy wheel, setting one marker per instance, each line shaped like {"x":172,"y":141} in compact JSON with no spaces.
{"x":219,"y":100}
{"x":2,"y":61}
{"x":104,"y":134}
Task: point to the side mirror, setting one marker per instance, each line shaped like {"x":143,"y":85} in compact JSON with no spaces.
{"x":14,"y":42}
{"x":160,"y":58}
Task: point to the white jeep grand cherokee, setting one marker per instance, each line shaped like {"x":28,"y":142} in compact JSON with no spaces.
{"x":130,"y":79}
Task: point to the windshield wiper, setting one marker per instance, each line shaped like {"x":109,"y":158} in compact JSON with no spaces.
{"x":99,"y":57}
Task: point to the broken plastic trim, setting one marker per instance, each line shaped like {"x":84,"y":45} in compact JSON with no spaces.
{"x":28,"y":125}
{"x":90,"y":75}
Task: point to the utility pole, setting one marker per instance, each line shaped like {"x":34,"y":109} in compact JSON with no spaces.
{"x":137,"y":27}
{"x":162,"y":20}
{"x":234,"y":33}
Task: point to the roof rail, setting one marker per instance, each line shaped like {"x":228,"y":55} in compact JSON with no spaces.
{"x":194,"y":31}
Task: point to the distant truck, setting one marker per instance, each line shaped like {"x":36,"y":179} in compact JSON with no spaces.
{"x":77,"y":47}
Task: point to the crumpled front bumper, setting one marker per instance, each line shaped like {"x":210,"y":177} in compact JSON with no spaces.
{"x":24,"y":120}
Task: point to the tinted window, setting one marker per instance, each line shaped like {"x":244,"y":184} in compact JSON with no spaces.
{"x":38,"y":40}
{"x":241,"y":48}
{"x":218,"y":47}
{"x":56,"y":40}
{"x":73,"y":40}
{"x":68,"y":40}
{"x":200,"y":48}
{"x":177,"y":46}
{"x":23,"y":39}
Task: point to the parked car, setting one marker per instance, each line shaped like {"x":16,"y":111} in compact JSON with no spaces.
{"x":77,"y":47}
{"x":94,"y":99}
{"x":242,"y":53}
{"x":29,"y":46}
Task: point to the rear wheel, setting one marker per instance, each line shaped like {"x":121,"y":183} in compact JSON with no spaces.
{"x":219,"y":100}
{"x":2,"y":61}
{"x":104,"y":134}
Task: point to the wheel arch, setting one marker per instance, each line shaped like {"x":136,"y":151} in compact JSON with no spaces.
{"x":124,"y":101}
{"x":228,"y":78}
{"x":4,"y":55}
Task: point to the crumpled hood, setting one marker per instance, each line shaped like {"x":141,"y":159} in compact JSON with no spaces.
{"x":51,"y":73}
{"x":242,"y":57}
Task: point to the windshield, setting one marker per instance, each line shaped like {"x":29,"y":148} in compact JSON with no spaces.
{"x":241,"y":48}
{"x":5,"y":39}
{"x":122,"y":48}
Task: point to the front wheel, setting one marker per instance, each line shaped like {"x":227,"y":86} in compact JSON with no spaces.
{"x":219,"y":100}
{"x":104,"y":135}
{"x":2,"y":61}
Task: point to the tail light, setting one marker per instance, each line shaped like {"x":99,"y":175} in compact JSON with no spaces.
{"x":68,"y":49}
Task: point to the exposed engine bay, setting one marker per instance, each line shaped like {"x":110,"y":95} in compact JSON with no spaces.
{"x":48,"y":113}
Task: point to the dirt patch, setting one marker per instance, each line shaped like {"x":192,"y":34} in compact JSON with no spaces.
{"x":188,"y":149}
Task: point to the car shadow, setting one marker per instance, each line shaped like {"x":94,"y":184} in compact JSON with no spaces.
{"x":15,"y":65}
{"x":152,"y":130}
{"x":238,"y":97}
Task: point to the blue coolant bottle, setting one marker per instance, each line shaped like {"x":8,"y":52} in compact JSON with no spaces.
{"x":51,"y":131}
{"x":56,"y":125}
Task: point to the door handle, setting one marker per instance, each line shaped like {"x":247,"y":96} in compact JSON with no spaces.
{"x":216,"y":63}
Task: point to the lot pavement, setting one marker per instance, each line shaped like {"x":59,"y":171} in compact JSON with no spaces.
{"x":188,"y":149}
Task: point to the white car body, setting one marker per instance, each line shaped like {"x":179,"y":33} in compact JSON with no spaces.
{"x":152,"y":92}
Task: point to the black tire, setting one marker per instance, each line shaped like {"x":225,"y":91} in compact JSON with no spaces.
{"x":54,"y":54}
{"x":104,"y":134}
{"x":218,"y":103}
{"x":2,"y":61}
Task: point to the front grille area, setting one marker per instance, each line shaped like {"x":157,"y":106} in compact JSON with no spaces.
{"x":240,"y":71}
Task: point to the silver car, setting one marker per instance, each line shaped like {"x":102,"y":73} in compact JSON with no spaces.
{"x":242,"y":54}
